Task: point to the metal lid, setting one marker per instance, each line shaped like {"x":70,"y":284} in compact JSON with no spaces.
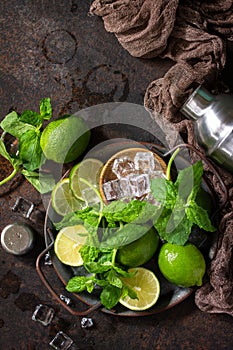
{"x":17,"y":238}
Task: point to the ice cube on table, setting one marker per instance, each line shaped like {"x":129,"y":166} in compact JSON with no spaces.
{"x":112,"y":189}
{"x":61,"y":341}
{"x":139,"y":184}
{"x":87,"y":322}
{"x":123,"y":167}
{"x":47,"y":259}
{"x":23,"y":206}
{"x":43,"y":314}
{"x":66,"y":300}
{"x":144,"y":161}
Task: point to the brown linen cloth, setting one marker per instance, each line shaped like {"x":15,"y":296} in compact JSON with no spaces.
{"x":193,"y":34}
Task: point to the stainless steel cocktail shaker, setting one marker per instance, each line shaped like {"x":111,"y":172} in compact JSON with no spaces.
{"x":213,"y":124}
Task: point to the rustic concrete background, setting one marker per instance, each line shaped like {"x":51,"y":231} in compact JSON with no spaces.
{"x":55,"y":49}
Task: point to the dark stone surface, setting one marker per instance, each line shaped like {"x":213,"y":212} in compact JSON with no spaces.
{"x":53,"y":48}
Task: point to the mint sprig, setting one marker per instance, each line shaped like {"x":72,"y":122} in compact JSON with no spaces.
{"x":179,"y":209}
{"x":105,"y":273}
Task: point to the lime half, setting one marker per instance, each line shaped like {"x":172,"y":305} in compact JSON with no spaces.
{"x":147,"y":287}
{"x":68,"y":242}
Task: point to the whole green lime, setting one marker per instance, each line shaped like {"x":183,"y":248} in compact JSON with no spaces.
{"x":140,"y":251}
{"x":182,"y":265}
{"x":65,"y":139}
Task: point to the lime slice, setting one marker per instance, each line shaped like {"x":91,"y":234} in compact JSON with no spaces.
{"x":89,"y":171}
{"x":63,"y":200}
{"x":67,"y":244}
{"x":147,"y":287}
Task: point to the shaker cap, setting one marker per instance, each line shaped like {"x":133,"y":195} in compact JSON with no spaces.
{"x":17,"y":238}
{"x":197,"y":103}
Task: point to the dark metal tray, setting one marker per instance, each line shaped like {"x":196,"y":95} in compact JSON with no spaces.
{"x":170,"y":295}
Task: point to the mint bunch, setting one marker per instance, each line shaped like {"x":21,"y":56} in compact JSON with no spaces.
{"x":26,"y":128}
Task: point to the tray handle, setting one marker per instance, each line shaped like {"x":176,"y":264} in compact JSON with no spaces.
{"x":54,"y":294}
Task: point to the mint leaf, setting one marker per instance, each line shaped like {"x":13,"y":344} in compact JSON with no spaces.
{"x":159,"y":189}
{"x":113,"y":279}
{"x":125,"y":235}
{"x":70,"y":219}
{"x":122,"y":272}
{"x":30,"y":151}
{"x":43,"y":183}
{"x":78,"y":284}
{"x":86,"y":212}
{"x":30,"y":117}
{"x":91,"y":220}
{"x":96,"y":267}
{"x":90,"y":284}
{"x":199,"y":216}
{"x":149,"y":212}
{"x":188,"y":181}
{"x":198,"y":173}
{"x":122,"y":211}
{"x":164,"y":191}
{"x":127,"y":291}
{"x":13,"y":126}
{"x":89,"y":254}
{"x":173,"y":226}
{"x":45,"y":108}
{"x":180,"y":233}
{"x":110,"y":296}
{"x":105,"y":255}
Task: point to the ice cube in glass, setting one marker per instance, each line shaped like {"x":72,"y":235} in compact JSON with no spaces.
{"x":123,"y":167}
{"x":125,"y":188}
{"x":139,"y":184}
{"x":112,"y":190}
{"x":144,"y":161}
{"x":90,"y":196}
{"x":43,"y":314}
{"x":157,"y":173}
{"x":61,"y":341}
